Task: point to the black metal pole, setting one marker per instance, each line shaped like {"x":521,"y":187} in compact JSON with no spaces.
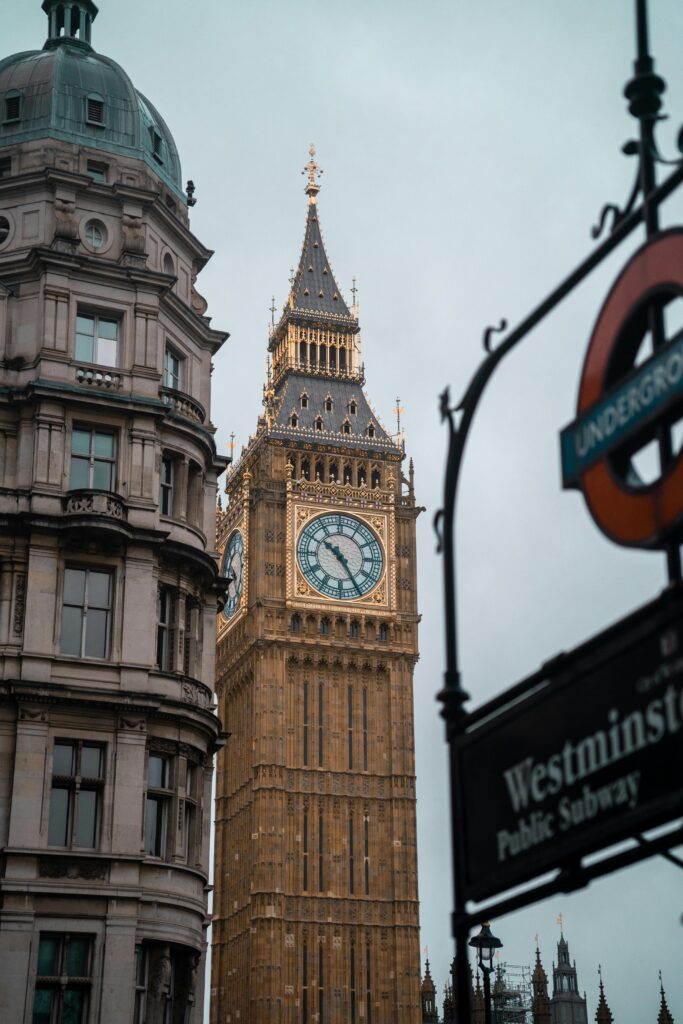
{"x":486,"y":971}
{"x":644,"y":93}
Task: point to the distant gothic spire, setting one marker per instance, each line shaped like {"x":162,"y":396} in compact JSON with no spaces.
{"x":603,"y":1014}
{"x":541,"y":1001}
{"x":430,"y":1014}
{"x":664,"y":1011}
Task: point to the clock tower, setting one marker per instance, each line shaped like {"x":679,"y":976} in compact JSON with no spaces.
{"x":315,"y":908}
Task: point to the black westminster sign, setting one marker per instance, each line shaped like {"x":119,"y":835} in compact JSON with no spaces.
{"x":592,"y":756}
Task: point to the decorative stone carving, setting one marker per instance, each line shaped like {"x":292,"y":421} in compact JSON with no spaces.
{"x":67,"y":867}
{"x":133,"y":253}
{"x":195,"y":693}
{"x":97,"y":503}
{"x":19,"y":604}
{"x":66,"y":226}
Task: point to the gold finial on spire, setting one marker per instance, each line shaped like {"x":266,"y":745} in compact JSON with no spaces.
{"x":314,"y":172}
{"x":560,"y":921}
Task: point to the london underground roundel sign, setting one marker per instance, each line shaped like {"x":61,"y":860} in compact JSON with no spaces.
{"x":627,"y":403}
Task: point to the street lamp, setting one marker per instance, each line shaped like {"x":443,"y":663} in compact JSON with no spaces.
{"x":486,"y":942}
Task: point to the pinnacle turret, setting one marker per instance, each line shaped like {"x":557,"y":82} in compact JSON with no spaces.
{"x":664,"y":1011}
{"x":603,"y":1014}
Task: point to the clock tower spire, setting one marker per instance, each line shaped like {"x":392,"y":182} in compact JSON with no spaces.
{"x":316,"y":913}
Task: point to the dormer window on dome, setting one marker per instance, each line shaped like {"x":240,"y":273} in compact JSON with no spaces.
{"x":346,"y":427}
{"x":294,"y":420}
{"x":371,"y":429}
{"x":329,"y":404}
{"x":304,"y":401}
{"x":353,"y":407}
{"x":157,"y":145}
{"x":12,"y":112}
{"x":318,"y":423}
{"x":94,"y":109}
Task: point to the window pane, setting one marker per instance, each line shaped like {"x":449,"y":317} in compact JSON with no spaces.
{"x":58,"y":829}
{"x":156,"y":772}
{"x":106,"y":352}
{"x":154,"y":826}
{"x":77,"y":950}
{"x":84,"y":348}
{"x":86,"y":818}
{"x":103,"y":476}
{"x":166,"y":471}
{"x":71,"y":630}
{"x":104,"y":445}
{"x":79,"y":473}
{"x":108,"y":329}
{"x":74,"y":586}
{"x":91,"y":762}
{"x":42,"y":1006}
{"x":80,"y":442}
{"x":72,"y":1006}
{"x":85,"y":324}
{"x":96,"y":634}
{"x":48,"y":952}
{"x":98,"y":589}
{"x":63,"y":759}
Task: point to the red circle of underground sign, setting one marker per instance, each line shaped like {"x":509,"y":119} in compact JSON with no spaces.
{"x":629,"y":517}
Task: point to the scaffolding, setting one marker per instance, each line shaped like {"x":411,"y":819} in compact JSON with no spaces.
{"x":511,"y":994}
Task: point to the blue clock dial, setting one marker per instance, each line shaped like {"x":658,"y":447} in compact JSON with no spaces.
{"x":340,"y":556}
{"x":233,"y":570}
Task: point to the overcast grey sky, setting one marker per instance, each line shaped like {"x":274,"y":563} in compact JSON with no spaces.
{"x":467,"y":147}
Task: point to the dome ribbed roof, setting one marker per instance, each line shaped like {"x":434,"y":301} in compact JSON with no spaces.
{"x":54,"y":85}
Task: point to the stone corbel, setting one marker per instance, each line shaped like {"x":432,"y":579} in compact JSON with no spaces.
{"x":65,"y":237}
{"x":133,"y":252}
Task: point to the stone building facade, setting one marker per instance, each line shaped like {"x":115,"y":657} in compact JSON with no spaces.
{"x":108,"y":577}
{"x":315,"y":910}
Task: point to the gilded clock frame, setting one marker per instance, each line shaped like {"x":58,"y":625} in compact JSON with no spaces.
{"x":306,"y":501}
{"x":236,"y":517}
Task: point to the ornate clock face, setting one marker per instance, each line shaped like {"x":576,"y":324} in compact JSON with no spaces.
{"x":233,"y":569}
{"x":340,"y":556}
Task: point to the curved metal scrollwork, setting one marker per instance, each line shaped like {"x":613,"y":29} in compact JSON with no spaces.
{"x":490,"y":331}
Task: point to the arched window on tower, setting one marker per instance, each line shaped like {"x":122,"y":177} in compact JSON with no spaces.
{"x":334,"y":472}
{"x":323,"y":357}
{"x":342,"y":359}
{"x":376,"y":478}
{"x":333,"y":358}
{"x":354,"y":628}
{"x":303,"y":352}
{"x":362,"y":476}
{"x":348,"y":474}
{"x":383,"y":634}
{"x":295,"y":623}
{"x":319,"y":470}
{"x":325,"y":627}
{"x":313,"y":353}
{"x":305,"y":469}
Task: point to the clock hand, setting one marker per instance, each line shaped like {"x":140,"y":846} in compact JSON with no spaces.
{"x":342,"y":559}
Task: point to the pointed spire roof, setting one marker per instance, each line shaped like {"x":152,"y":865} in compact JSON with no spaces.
{"x":603,"y":1014}
{"x":539,"y":977}
{"x":427,"y":982}
{"x":664,"y":1011}
{"x":314,"y":289}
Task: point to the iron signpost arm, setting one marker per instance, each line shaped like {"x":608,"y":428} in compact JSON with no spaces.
{"x":459,"y":418}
